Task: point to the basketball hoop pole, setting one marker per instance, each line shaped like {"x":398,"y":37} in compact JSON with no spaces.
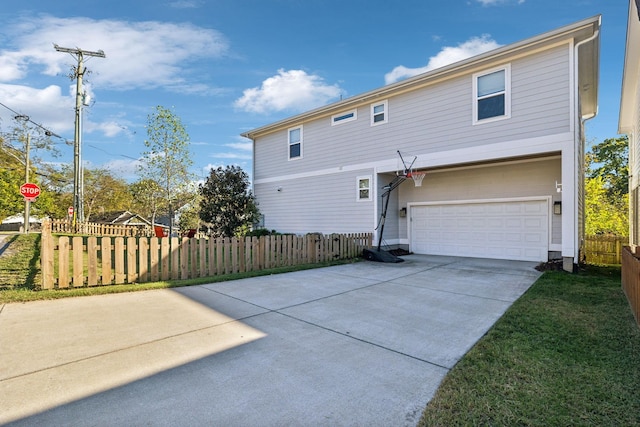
{"x":378,"y":254}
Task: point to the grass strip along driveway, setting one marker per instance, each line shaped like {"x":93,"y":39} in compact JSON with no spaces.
{"x":566,"y":353}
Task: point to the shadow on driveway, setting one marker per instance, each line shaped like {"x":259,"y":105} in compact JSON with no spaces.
{"x":357,"y":344}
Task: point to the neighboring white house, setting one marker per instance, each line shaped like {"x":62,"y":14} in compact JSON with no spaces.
{"x":629,"y":121}
{"x":500,"y":136}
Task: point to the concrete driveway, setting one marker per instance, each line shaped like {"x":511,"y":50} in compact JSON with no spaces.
{"x":363,"y":344}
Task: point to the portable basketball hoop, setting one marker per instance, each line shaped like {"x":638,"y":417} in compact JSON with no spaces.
{"x":417,"y":177}
{"x":404,"y":171}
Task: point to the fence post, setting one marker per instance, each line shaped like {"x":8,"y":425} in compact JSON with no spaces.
{"x":46,"y":255}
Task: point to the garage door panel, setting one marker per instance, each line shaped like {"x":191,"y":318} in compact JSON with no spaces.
{"x":506,"y":230}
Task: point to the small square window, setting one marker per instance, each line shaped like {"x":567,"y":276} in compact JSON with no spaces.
{"x":379,"y":113}
{"x":364,"y":188}
{"x":295,"y":143}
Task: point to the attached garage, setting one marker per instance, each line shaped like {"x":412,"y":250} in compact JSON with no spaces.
{"x":516,"y":229}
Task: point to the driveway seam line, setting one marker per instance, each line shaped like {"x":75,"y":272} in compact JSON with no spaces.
{"x":363,"y":341}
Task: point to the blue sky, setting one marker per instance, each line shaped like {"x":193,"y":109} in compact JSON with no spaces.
{"x":228,"y":66}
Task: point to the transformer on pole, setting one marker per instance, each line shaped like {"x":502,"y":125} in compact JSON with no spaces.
{"x":78,"y":196}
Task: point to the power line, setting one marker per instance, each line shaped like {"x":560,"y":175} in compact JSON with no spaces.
{"x":25,"y":117}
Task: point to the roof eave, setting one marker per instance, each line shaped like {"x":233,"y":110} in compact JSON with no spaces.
{"x":631,"y":71}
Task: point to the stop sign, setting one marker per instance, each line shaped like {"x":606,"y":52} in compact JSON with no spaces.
{"x":29,"y":191}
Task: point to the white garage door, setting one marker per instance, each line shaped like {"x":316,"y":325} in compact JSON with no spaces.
{"x":517,"y":230}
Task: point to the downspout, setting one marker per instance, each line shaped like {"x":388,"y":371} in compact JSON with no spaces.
{"x":581,"y":137}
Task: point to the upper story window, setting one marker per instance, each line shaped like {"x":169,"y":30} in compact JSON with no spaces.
{"x":364,"y":188}
{"x":295,"y":143}
{"x":379,"y":113}
{"x":492,"y":95}
{"x":348,"y":116}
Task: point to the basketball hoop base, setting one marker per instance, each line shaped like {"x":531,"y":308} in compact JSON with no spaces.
{"x":373,"y":254}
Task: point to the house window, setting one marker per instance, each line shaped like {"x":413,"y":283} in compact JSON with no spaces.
{"x":364,"y":188}
{"x":492,"y":97}
{"x":295,"y":143}
{"x":344,"y":117}
{"x":379,"y":113}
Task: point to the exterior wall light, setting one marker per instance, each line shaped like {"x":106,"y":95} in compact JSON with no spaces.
{"x":557,"y":208}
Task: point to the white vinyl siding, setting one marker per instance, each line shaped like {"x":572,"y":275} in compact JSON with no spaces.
{"x":434,"y":119}
{"x":324,"y":204}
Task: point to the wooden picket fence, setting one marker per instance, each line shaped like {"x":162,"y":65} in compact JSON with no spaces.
{"x":97,"y":229}
{"x":80,"y":261}
{"x":603,"y":249}
{"x":631,"y":278}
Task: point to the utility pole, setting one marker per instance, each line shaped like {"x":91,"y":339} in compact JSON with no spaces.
{"x":27,"y":203}
{"x":78,"y":187}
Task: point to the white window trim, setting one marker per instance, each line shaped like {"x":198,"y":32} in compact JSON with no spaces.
{"x":386,"y":112}
{"x":507,"y":95}
{"x":370,"y":188}
{"x":298,"y":142}
{"x":337,"y":120}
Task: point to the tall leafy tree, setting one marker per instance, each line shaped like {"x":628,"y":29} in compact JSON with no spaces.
{"x":605,"y":216}
{"x":227,"y":202}
{"x":17,"y":148}
{"x":610,"y":160}
{"x":167,"y":158}
{"x":108,"y":193}
{"x":190,"y":215}
{"x":11,"y":177}
{"x":607,"y":187}
{"x":148,"y":198}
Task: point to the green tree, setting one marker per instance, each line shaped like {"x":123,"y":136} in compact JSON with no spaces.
{"x":190,"y":215}
{"x":605,"y":216}
{"x":108,"y":193}
{"x":227,"y":203}
{"x":11,"y":177}
{"x":13,"y":161}
{"x":610,"y":160}
{"x":167,"y":159}
{"x":607,"y":187}
{"x":148,"y":198}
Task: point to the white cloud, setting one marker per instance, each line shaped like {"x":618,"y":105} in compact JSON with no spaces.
{"x":497,"y":2}
{"x":142,"y":55}
{"x":232,"y":155}
{"x":138,"y":54}
{"x":243,"y":146}
{"x":47,"y":106}
{"x":292,"y":90}
{"x":123,"y":168}
{"x":185,"y":4}
{"x":448,"y":55}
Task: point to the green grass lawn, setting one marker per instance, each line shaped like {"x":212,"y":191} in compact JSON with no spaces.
{"x":20,"y":265}
{"x":567,"y":353}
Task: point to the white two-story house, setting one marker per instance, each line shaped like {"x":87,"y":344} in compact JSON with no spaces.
{"x":499,"y":135}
